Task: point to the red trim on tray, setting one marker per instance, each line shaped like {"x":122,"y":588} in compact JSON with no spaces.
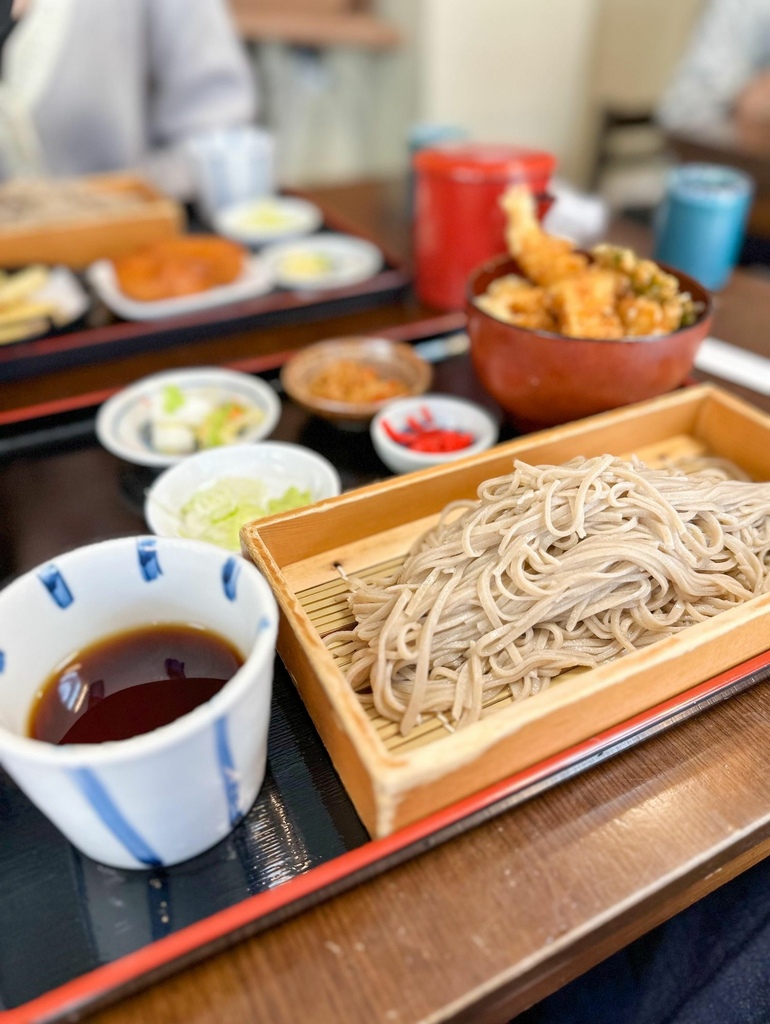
{"x":417,"y":331}
{"x":276,"y":302}
{"x":80,"y":992}
{"x":55,"y":406}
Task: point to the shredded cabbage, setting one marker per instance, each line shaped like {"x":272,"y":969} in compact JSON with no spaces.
{"x":217,"y":511}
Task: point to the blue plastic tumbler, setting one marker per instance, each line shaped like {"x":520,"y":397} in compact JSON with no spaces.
{"x":700,"y":224}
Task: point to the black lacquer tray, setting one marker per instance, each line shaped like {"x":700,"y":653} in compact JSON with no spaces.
{"x":99,"y":335}
{"x":74,"y":934}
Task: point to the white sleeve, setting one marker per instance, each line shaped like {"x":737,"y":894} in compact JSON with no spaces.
{"x":729,"y":46}
{"x":200,"y":74}
{"x":201,"y":79}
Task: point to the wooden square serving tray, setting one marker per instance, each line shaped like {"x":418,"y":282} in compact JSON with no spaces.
{"x":394,"y":781}
{"x":104,"y":234}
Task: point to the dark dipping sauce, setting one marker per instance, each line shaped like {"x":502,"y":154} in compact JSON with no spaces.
{"x":131,"y":683}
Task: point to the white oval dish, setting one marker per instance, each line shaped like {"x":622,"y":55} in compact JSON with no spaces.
{"x":277,"y":464}
{"x":256,"y":279}
{"x":257,"y":221}
{"x":323,"y":261}
{"x":447,"y":412}
{"x":122,"y":423}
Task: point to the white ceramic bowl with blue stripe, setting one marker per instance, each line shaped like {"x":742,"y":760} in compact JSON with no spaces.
{"x":167,"y":795}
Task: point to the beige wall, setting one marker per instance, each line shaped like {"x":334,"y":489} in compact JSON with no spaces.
{"x":511,"y":70}
{"x":396,"y":87}
{"x":532,"y":72}
{"x":342,"y":112}
{"x":638,"y":45}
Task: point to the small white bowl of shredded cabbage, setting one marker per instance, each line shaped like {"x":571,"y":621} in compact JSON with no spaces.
{"x":212,"y":494}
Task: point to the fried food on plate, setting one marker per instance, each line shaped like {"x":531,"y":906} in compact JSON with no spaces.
{"x":611,"y":294}
{"x":22,"y":313}
{"x":182,"y":265}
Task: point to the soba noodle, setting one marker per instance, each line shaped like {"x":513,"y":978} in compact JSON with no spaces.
{"x":550,"y":569}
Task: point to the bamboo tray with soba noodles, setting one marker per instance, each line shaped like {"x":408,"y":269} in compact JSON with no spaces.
{"x":450,"y":628}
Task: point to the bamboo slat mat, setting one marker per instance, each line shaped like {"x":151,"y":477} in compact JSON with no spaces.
{"x":327,"y":607}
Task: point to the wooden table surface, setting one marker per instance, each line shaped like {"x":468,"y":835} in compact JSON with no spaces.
{"x":490,"y":922}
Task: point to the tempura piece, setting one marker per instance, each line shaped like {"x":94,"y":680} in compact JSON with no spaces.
{"x":652,"y":303}
{"x":514,"y":300}
{"x":543,"y":258}
{"x":584,"y":305}
{"x":644,"y":276}
{"x":644,"y":317}
{"x":611,"y":295}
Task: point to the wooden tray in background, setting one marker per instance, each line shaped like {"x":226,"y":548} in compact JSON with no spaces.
{"x":394,"y":782}
{"x":119,"y":339}
{"x":105,"y":234}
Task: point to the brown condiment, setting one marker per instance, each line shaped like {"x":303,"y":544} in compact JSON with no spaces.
{"x":345,"y":380}
{"x":132,"y":683}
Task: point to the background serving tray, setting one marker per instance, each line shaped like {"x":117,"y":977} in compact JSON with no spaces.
{"x":96,"y":234}
{"x":101,"y":336}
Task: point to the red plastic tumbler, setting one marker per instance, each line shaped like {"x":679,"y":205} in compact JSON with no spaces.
{"x":458,"y":222}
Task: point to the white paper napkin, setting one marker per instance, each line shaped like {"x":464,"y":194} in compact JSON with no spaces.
{"x":734,"y":364}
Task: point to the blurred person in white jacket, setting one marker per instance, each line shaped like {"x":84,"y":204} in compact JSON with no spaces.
{"x":91,"y":86}
{"x":725,"y":70}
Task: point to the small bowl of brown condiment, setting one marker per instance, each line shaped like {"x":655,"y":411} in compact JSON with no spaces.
{"x":348,"y":380}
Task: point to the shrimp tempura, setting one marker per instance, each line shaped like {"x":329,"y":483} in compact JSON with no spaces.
{"x":543,"y":258}
{"x":610,"y":294}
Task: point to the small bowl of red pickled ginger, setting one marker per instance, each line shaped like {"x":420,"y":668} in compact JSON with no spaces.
{"x":415,"y":433}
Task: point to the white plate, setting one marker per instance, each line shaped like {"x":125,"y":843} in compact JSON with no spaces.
{"x":67,"y":293}
{"x":257,"y":221}
{"x":122,"y":423}
{"x":322,"y":261}
{"x":277,"y":464}
{"x":256,"y":279}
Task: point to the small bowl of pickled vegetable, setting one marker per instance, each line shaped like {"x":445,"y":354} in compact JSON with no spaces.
{"x":415,"y":433}
{"x":164,"y":418}
{"x":212,"y":494}
{"x":348,"y":380}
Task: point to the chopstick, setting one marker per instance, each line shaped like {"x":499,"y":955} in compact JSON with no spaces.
{"x":436,"y":350}
{"x":720,"y":359}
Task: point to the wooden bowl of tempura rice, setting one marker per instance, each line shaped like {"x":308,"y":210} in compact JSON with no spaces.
{"x":543,"y":378}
